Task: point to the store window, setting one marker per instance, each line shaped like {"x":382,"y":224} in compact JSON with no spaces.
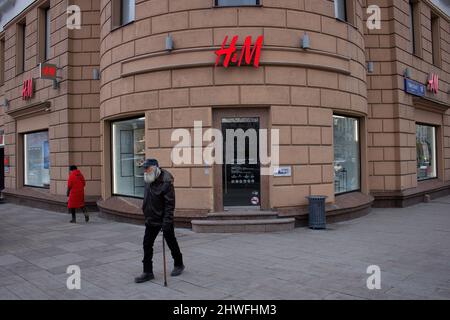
{"x":346,"y":154}
{"x":37,"y":159}
{"x":231,"y":3}
{"x":128,"y":145}
{"x":426,"y":152}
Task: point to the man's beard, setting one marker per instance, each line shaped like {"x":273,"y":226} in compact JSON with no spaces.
{"x":151,"y":177}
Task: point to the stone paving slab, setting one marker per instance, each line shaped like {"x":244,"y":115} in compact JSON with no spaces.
{"x":411,"y":246}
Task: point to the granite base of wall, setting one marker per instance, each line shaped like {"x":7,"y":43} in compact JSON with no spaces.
{"x":42,"y":199}
{"x":426,"y":190}
{"x":346,"y":207}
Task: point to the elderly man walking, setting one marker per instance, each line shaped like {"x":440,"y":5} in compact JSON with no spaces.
{"x":158,"y":207}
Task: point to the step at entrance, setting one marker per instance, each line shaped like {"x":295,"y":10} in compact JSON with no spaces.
{"x":243,"y":215}
{"x":235,"y":221}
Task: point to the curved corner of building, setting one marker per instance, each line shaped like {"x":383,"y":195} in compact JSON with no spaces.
{"x":355,"y":113}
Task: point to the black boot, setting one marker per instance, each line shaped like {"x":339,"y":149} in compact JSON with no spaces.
{"x":178,"y":265}
{"x":146,"y":276}
{"x":86,"y":215}
{"x":177,"y":270}
{"x":73,"y":218}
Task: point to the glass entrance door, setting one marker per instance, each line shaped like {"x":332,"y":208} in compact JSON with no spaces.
{"x":241,"y":179}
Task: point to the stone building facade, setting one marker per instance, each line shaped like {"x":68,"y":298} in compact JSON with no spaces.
{"x":333,"y":88}
{"x":59,"y":124}
{"x":394,"y":113}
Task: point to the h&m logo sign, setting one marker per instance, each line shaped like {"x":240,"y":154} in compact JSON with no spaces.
{"x":433,"y":83}
{"x":249,"y":55}
{"x":27,"y":89}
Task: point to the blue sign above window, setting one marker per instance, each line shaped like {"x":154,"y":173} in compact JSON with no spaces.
{"x":414,"y":87}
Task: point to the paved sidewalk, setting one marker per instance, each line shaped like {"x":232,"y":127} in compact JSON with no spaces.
{"x":411,"y":246}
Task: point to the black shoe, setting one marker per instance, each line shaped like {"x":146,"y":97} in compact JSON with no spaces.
{"x":86,"y":217}
{"x":146,"y":276}
{"x":73,"y":221}
{"x":177,"y":270}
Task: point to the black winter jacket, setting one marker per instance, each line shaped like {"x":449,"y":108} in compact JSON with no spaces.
{"x":159,"y":200}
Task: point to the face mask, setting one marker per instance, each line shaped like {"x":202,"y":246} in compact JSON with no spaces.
{"x":151,"y":177}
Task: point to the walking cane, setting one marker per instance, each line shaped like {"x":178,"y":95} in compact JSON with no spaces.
{"x":164,"y":259}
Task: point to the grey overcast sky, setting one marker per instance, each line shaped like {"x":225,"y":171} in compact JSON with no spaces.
{"x":443,"y":4}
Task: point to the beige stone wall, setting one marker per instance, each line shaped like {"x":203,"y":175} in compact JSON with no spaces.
{"x":301,"y":89}
{"x":393,"y":116}
{"x":2,"y":108}
{"x":73,"y":119}
{"x":84,"y":96}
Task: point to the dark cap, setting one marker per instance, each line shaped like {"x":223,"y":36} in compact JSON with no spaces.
{"x":150,"y":163}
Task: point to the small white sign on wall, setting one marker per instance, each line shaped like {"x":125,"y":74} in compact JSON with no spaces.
{"x":282,"y":172}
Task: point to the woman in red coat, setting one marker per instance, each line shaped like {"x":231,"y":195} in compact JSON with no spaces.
{"x":75,"y":192}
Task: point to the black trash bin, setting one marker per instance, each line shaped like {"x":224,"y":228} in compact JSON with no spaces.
{"x":317,"y":219}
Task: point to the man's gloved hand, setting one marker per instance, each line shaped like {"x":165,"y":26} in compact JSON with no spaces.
{"x":147,"y":222}
{"x":166,"y":227}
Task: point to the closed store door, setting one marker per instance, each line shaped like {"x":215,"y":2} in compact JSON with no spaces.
{"x":241,"y":169}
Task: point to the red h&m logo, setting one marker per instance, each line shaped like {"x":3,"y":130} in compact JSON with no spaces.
{"x":248,"y":53}
{"x":27,"y":89}
{"x":47,"y":71}
{"x":433,"y":83}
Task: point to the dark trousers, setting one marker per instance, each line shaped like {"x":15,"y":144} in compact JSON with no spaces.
{"x":149,"y":239}
{"x":73,"y":211}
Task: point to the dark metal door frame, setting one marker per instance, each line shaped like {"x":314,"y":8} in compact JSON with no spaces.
{"x":232,"y":112}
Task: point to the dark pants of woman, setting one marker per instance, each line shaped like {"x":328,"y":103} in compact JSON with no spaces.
{"x":73,"y":211}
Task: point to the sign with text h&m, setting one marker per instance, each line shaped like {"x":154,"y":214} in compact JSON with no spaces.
{"x":47,"y":71}
{"x":27,"y":89}
{"x":433,"y":83}
{"x":249,"y":55}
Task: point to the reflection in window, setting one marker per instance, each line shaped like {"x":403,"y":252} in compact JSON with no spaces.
{"x":229,"y":3}
{"x":37,"y":159}
{"x":128,"y":146}
{"x":426,"y":152}
{"x":340,"y":8}
{"x":346,"y":154}
{"x":127,"y":7}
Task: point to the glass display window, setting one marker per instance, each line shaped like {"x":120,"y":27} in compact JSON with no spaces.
{"x":37,"y":159}
{"x":426,"y":152}
{"x":128,"y":147}
{"x":347,"y":161}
